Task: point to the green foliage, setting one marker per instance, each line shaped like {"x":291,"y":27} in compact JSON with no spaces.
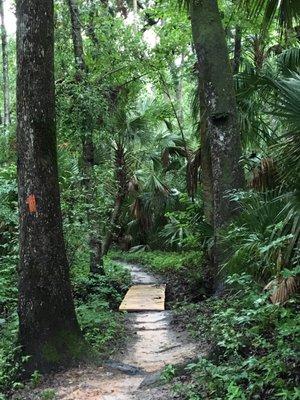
{"x":186,"y":228}
{"x":35,"y":379}
{"x":162,"y":261}
{"x":97,"y":301}
{"x":254,"y":346}
{"x":48,"y":394}
{"x":287,"y":12}
{"x":182,"y":271}
{"x":263,"y":239}
{"x":10,"y":360}
{"x":8,"y":236}
{"x":102,"y":328}
{"x":168,"y":373}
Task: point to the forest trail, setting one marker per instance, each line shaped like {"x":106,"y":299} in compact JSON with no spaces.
{"x":153,"y":342}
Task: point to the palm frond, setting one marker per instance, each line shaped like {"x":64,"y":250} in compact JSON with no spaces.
{"x":155,"y":185}
{"x":289,"y":60}
{"x":267,"y":229}
{"x":285,"y":11}
{"x":287,"y":103}
{"x":265,"y":175}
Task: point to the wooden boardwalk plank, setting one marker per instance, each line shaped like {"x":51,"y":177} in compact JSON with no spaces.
{"x":144,"y":298}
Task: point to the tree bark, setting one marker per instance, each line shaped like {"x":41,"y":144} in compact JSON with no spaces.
{"x":6,"y":102}
{"x":179,"y":90}
{"x":122,"y":191}
{"x":222,"y":130}
{"x":207,"y":180}
{"x":49,"y":331}
{"x":76,"y":36}
{"x":91,"y":28}
{"x":95,"y":244}
{"x":112,"y":224}
{"x":237,"y":50}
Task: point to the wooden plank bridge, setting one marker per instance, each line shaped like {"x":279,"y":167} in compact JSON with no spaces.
{"x":144,"y":298}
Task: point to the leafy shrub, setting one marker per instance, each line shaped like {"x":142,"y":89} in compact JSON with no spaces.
{"x":186,"y":228}
{"x":8,"y":239}
{"x":97,"y":299}
{"x":10,"y":362}
{"x":254,"y":346}
{"x":102,"y":327}
{"x":48,"y":394}
{"x":110,"y":287}
{"x":9,"y":366}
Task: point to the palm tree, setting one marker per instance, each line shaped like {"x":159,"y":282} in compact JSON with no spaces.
{"x":128,"y":127}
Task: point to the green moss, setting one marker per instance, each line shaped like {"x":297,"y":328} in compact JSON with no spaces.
{"x":65,"y":346}
{"x":51,"y":353}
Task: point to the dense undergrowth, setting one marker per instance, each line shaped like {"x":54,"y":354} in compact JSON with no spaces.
{"x":254,"y":346}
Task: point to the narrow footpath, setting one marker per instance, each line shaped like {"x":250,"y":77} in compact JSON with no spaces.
{"x":133,"y":374}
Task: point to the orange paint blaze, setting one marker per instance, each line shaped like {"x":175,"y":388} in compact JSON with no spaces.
{"x":31,"y":202}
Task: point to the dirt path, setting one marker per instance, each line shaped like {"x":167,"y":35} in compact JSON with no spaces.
{"x":153,"y":343}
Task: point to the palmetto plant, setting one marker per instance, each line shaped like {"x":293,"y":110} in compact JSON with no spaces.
{"x":175,"y":232}
{"x":286,"y":106}
{"x":263,"y":240}
{"x":148,"y":201}
{"x":128,"y":128}
{"x":285,"y":11}
{"x":289,"y":60}
{"x":261,"y":126}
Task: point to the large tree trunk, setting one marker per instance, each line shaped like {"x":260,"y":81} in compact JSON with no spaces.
{"x":206,"y":167}
{"x":6,"y":103}
{"x":222,"y":130}
{"x":49,"y":331}
{"x":207,"y":184}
